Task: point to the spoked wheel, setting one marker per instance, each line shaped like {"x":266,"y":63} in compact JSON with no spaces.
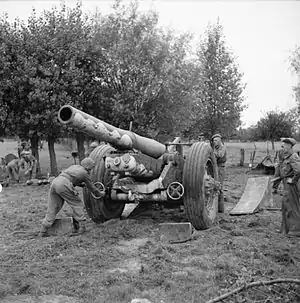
{"x":200,"y":174}
{"x":103,"y":209}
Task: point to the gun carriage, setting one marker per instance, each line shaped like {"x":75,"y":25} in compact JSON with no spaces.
{"x":131,"y":168}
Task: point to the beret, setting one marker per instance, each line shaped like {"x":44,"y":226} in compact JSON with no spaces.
{"x":289,"y":141}
{"x":94,"y":144}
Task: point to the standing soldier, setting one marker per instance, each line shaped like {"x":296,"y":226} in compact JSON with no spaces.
{"x":201,"y":137}
{"x":92,"y":146}
{"x":23,"y":145}
{"x":290,"y":174}
{"x":20,"y":147}
{"x":30,"y":161}
{"x":221,"y":155}
{"x":62,"y":189}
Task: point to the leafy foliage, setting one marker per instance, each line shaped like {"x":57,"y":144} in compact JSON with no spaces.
{"x":119,"y":67}
{"x":273,"y":126}
{"x":146,"y":77}
{"x":220,"y":95}
{"x":295,"y":64}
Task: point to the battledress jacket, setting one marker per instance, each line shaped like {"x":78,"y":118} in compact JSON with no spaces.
{"x":221,"y":154}
{"x":79,"y":176}
{"x":290,"y":168}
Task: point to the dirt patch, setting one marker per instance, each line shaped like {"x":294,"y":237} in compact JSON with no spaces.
{"x":133,"y":266}
{"x":131,"y":246}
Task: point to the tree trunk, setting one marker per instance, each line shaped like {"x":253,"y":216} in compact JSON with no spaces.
{"x":80,"y":145}
{"x":34,"y":141}
{"x":53,"y":163}
{"x":242,"y":160}
{"x":273,"y":147}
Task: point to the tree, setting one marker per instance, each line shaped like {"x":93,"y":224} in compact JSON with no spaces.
{"x":121,"y":67}
{"x":274,"y":125}
{"x":220,"y":98}
{"x":145,"y":74}
{"x":51,"y":63}
{"x":293,"y":115}
{"x":9,"y":49}
{"x":295,"y":64}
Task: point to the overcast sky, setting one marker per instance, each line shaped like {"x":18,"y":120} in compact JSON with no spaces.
{"x":261,"y":34}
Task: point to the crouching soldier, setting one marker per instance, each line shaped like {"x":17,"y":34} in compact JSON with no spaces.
{"x":221,"y":155}
{"x":63,"y":189}
{"x":13,"y":168}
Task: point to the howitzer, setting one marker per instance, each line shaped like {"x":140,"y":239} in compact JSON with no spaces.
{"x":131,"y":168}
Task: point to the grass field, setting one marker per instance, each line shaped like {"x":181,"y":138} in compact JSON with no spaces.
{"x":121,"y":260}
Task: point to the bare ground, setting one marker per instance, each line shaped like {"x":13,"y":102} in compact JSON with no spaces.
{"x":121,"y":260}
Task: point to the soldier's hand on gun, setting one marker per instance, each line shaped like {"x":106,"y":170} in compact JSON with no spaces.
{"x":98,"y":194}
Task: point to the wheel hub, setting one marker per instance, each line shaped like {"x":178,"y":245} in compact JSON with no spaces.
{"x":175,"y":191}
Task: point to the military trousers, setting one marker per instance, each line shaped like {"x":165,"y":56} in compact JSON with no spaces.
{"x":13,"y":173}
{"x":291,"y":206}
{"x":62,"y":190}
{"x":221,"y":172}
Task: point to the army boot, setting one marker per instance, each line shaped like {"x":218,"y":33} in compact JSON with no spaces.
{"x":78,"y":227}
{"x":221,"y":207}
{"x":43,"y":231}
{"x":82,"y":227}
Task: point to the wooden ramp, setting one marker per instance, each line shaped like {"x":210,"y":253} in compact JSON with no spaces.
{"x":257,"y":194}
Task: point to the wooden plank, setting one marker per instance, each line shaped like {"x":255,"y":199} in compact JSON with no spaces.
{"x":175,"y":232}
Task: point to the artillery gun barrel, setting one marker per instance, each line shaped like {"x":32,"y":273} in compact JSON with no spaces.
{"x":117,"y":137}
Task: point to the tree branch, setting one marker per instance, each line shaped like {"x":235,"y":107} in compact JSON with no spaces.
{"x":253,"y":284}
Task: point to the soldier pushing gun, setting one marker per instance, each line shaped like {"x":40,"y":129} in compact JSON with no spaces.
{"x":63,"y":189}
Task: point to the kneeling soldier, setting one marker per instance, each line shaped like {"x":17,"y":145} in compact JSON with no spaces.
{"x":63,"y":189}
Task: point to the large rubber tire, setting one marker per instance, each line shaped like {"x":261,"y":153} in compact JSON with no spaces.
{"x":199,"y":162}
{"x":101,"y":210}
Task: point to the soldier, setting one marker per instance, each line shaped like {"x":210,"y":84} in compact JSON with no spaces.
{"x":290,"y":174}
{"x":201,"y":137}
{"x":30,"y":161}
{"x":63,"y":189}
{"x":277,"y":171}
{"x":92,"y":146}
{"x":20,"y":148}
{"x":13,"y":168}
{"x":221,"y":156}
